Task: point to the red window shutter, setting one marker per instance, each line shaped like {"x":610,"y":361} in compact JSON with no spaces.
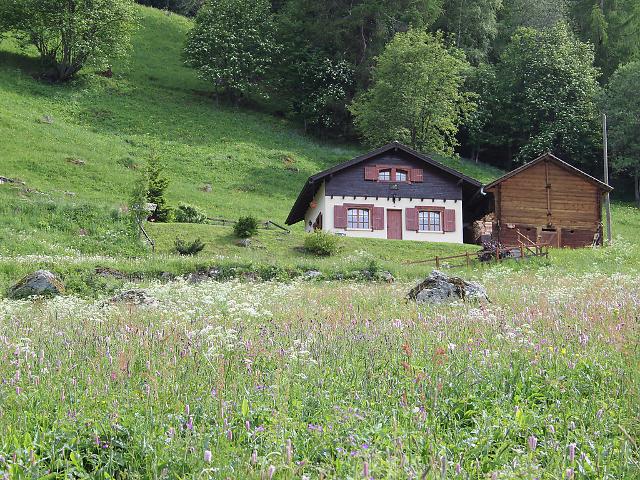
{"x":411,"y":218}
{"x":339,"y":216}
{"x":449,"y":220}
{"x":378,"y":218}
{"x":417,"y":175}
{"x":370,"y":172}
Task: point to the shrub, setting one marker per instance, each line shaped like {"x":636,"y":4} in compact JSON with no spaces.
{"x":186,"y":213}
{"x":246,"y":227}
{"x":189,"y":248}
{"x":322,"y":243}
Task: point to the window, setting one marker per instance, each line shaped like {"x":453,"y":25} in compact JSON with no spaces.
{"x":358,"y":218}
{"x":401,"y":176}
{"x":429,"y":221}
{"x":384,"y":175}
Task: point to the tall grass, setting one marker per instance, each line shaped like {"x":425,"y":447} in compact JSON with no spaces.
{"x":326,"y":381}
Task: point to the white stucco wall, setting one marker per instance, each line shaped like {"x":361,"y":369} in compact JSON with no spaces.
{"x":400,"y":204}
{"x":312,"y":213}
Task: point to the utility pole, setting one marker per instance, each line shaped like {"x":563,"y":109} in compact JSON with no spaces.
{"x":607,"y":203}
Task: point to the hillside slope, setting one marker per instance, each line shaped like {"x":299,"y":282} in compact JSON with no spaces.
{"x":153,"y":106}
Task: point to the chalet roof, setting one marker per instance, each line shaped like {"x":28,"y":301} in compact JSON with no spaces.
{"x":313,"y":183}
{"x":555,"y":160}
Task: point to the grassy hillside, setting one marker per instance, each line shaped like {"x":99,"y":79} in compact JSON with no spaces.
{"x":104,"y":129}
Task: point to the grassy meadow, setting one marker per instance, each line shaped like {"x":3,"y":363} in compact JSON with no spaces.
{"x":327,"y":380}
{"x":265,"y":373}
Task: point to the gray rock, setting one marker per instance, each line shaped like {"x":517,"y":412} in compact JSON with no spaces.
{"x":167,"y":276}
{"x":197,"y":277}
{"x":440,"y":288}
{"x":39,"y":283}
{"x":312,"y":274}
{"x":135,"y":296}
{"x":387,"y":277}
{"x":244,"y":242}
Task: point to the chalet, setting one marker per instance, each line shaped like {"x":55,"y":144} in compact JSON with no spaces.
{"x":393,"y":192}
{"x":550,"y":202}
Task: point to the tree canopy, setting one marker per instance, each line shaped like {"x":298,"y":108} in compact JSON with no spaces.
{"x":545,"y":97}
{"x":416,"y":96}
{"x":232,"y":45}
{"x":622,"y":104}
{"x":70,"y":34}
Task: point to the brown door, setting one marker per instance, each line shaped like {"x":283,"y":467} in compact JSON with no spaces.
{"x":394,"y":224}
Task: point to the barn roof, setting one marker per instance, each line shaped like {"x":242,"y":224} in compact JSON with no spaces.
{"x":562,"y":164}
{"x":313,"y":183}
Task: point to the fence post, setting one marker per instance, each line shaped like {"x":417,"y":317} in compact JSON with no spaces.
{"x":521,"y":251}
{"x":468,"y":260}
{"x":437,"y":262}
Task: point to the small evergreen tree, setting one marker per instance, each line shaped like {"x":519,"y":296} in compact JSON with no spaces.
{"x":157,"y":183}
{"x":246,"y":227}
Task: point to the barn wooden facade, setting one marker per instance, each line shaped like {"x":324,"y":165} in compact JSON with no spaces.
{"x":548,"y":201}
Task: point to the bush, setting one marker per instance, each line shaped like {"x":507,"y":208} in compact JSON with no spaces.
{"x":186,"y":213}
{"x":322,"y":243}
{"x":246,"y":227}
{"x":189,"y":248}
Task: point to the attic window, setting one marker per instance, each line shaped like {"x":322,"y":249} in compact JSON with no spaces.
{"x":384,"y":175}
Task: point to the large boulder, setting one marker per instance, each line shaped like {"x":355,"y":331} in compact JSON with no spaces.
{"x":441,"y":288}
{"x":39,"y":283}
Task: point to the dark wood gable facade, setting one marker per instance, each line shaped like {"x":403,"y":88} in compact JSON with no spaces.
{"x":548,"y":201}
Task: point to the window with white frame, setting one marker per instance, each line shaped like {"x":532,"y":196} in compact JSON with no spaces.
{"x":358,"y":218}
{"x":384,"y":175}
{"x":430,"y":221}
{"x":401,"y":175}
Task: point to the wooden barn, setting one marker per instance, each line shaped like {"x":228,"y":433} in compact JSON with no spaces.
{"x":548,"y":201}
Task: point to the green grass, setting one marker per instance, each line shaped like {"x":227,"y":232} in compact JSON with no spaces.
{"x":153,"y":105}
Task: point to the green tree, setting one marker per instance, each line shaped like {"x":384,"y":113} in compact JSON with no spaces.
{"x":473,"y":24}
{"x":612,"y":26}
{"x":416,"y":95}
{"x":232,"y":45}
{"x":157,"y":184}
{"x":71,"y":34}
{"x":546,"y":90}
{"x":328,"y":51}
{"x":538,"y":14}
{"x":622,"y":104}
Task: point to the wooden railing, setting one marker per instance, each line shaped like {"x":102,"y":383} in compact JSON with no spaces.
{"x":501,"y":254}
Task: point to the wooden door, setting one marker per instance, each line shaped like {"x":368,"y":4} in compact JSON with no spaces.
{"x":394,"y":224}
{"x":549,"y":237}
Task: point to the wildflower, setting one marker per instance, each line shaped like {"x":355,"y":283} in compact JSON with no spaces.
{"x":533,"y":442}
{"x":271,"y":471}
{"x":289,"y":451}
{"x":572,"y":452}
{"x":189,"y":424}
{"x":254,"y":457}
{"x":458,"y":469}
{"x":207,"y":456}
{"x":365,"y":470}
{"x":569,"y":473}
{"x":599,"y":414}
{"x":187,"y":410}
{"x":229,"y":435}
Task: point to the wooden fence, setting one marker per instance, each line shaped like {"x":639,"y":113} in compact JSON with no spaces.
{"x":500,"y":254}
